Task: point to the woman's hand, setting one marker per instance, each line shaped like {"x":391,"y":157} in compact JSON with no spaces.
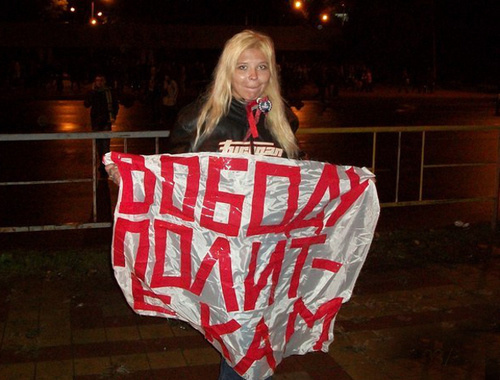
{"x":113,"y":173}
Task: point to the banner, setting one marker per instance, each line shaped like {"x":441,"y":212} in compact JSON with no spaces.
{"x":257,"y":253}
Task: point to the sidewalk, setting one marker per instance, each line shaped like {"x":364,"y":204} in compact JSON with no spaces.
{"x":409,"y":319}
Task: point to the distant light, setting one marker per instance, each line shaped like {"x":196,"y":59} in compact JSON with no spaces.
{"x":99,"y":14}
{"x":324,"y":17}
{"x":343,"y":16}
{"x":297,"y":4}
{"x":72,"y":9}
{"x":67,"y":127}
{"x":93,"y":21}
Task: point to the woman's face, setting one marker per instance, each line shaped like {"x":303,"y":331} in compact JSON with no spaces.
{"x":251,"y":75}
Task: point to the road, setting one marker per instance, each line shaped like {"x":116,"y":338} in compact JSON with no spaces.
{"x":38,"y":205}
{"x":383,"y":107}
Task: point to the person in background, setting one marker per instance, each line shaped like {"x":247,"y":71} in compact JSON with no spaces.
{"x":405,"y":82}
{"x":153,"y":96}
{"x":497,"y":104}
{"x":242,"y":111}
{"x":103,"y":104}
{"x":170,"y":91}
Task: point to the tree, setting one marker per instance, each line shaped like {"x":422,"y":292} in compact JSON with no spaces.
{"x":54,"y":9}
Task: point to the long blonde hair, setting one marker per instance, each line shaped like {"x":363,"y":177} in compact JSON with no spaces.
{"x":219,"y":94}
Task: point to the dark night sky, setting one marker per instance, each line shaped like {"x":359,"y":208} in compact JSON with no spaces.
{"x":470,"y":12}
{"x":164,"y":11}
{"x":464,"y":34}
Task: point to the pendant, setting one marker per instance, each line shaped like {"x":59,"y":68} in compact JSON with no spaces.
{"x":264,"y":105}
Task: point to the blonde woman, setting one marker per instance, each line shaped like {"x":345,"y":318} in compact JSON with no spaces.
{"x":242,"y":112}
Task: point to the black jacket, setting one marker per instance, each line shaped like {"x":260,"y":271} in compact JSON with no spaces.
{"x":229,"y":134}
{"x":103,"y":108}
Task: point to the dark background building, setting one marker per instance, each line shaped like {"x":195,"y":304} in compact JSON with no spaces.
{"x":456,"y":42}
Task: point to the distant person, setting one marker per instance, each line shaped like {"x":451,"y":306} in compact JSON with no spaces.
{"x":430,"y":82}
{"x":367,"y":79}
{"x":170,"y":92}
{"x":405,"y":82}
{"x":59,"y":77}
{"x":103,"y":104}
{"x":16,"y":74}
{"x":319,"y":75}
{"x":153,"y":96}
{"x":333,"y":81}
{"x":497,"y":110}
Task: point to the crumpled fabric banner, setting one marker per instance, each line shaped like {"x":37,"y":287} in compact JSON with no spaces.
{"x":257,"y":253}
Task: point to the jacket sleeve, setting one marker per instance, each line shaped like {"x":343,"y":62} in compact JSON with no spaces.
{"x":293,"y":120}
{"x":294,"y":124}
{"x":183,"y":133}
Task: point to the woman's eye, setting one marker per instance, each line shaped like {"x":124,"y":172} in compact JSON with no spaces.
{"x":262,"y":67}
{"x":242,"y":67}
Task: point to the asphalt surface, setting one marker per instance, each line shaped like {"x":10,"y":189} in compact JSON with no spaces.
{"x":385,"y":106}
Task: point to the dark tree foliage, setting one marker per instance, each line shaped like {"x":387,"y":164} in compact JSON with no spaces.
{"x":456,"y":38}
{"x":201,"y":12}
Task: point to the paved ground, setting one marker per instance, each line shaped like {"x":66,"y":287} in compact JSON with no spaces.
{"x":408,"y":320}
{"x":405,"y":322}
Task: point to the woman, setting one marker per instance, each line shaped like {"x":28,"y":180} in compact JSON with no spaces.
{"x":245,"y":79}
{"x":242,"y":112}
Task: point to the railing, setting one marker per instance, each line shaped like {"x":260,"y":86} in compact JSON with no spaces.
{"x":374,"y":131}
{"x":156,"y":135}
{"x":424,"y":131}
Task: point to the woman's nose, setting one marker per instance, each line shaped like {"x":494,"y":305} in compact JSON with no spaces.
{"x":252,"y":74}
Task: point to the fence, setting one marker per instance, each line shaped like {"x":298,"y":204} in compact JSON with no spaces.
{"x":374,"y":165}
{"x":93,"y":136}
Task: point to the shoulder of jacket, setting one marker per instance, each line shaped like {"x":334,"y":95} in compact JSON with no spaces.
{"x":292,"y":118}
{"x":188,"y":116}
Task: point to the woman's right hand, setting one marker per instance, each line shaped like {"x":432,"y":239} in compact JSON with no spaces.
{"x":113,"y":173}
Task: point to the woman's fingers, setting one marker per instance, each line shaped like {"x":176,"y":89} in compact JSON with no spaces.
{"x":113,"y":173}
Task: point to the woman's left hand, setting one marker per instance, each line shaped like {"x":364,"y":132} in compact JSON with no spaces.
{"x":113,"y":173}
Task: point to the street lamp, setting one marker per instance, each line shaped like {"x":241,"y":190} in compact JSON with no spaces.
{"x":93,"y":21}
{"x":97,"y":16}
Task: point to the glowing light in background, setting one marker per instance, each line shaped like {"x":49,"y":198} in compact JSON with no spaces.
{"x":67,"y":127}
{"x":69,"y":117}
